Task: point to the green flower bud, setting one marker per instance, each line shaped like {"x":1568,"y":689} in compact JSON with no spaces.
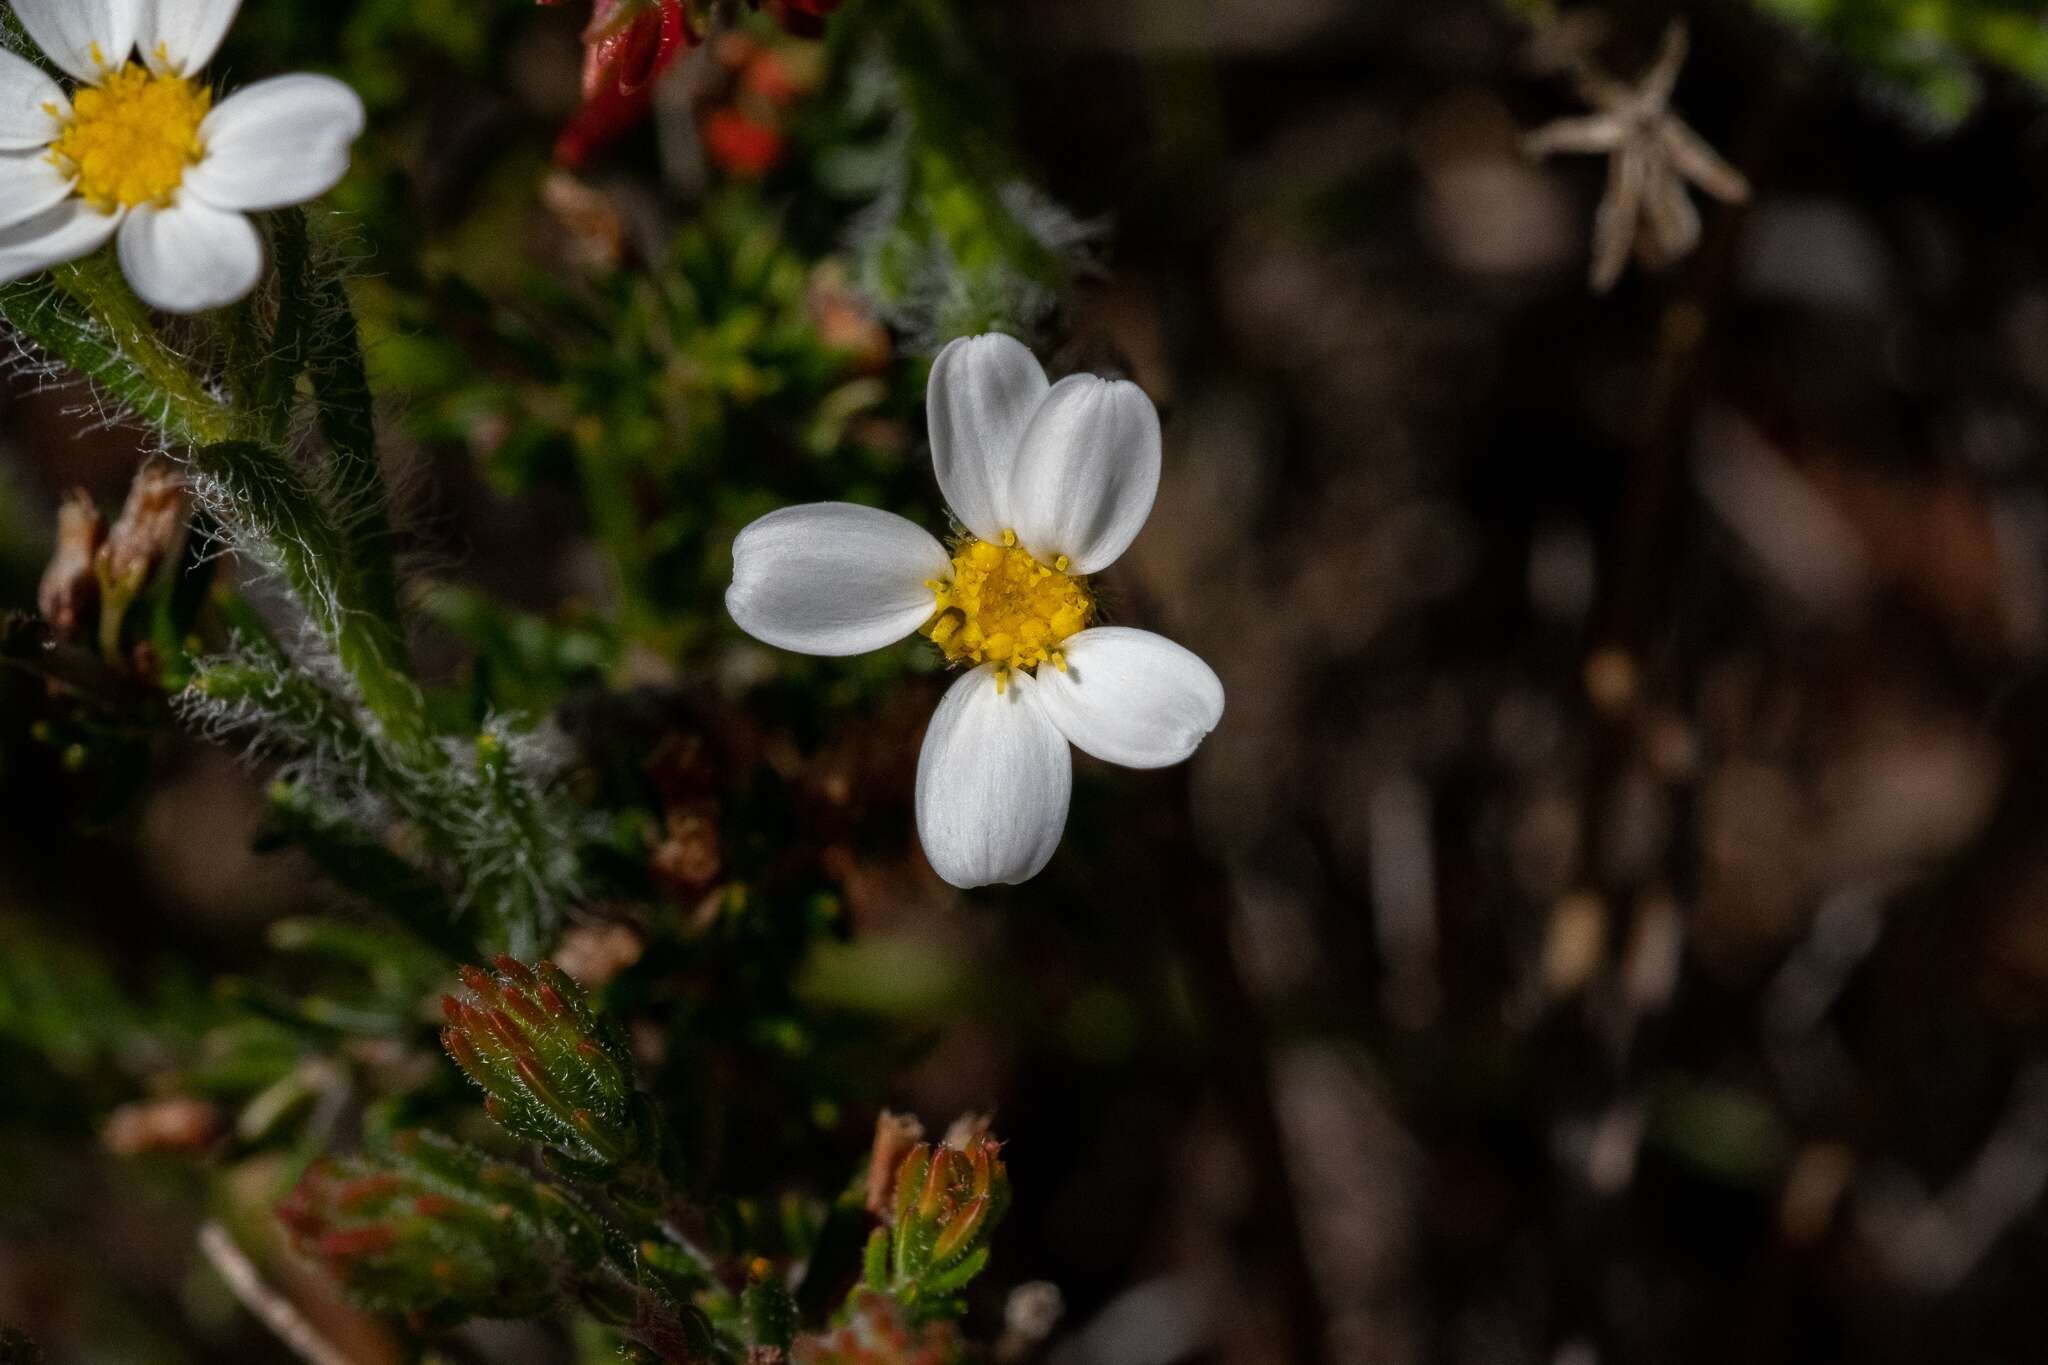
{"x":440,"y":1231}
{"x":947,"y":1203}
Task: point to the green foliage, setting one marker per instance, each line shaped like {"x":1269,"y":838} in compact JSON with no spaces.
{"x":1929,"y":51}
{"x":273,"y":512}
{"x":355,"y":859}
{"x":677,"y":404}
{"x":770,"y":1311}
{"x":954,"y":240}
{"x":361,"y":728}
{"x":59,"y":1002}
{"x":386,"y":972}
{"x":315,"y":335}
{"x":523,"y":663}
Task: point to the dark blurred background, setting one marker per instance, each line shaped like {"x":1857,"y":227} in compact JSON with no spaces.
{"x":1611,"y":924}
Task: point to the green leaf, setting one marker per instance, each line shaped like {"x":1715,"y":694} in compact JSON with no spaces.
{"x":770,"y":1312}
{"x":875,"y":1265}
{"x":357,"y":860}
{"x":325,"y":331}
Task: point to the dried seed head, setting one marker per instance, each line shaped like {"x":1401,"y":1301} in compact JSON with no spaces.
{"x":895,"y":1135}
{"x":968,"y":1131}
{"x":69,"y":589}
{"x":179,"y":1124}
{"x":594,"y":954}
{"x":151,"y":524}
{"x":688,"y":856}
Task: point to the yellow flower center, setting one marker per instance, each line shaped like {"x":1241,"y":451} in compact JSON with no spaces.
{"x":1005,"y":607}
{"x":130,"y":138}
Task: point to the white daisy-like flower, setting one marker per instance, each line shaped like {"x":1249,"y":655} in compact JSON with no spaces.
{"x":139,"y":148}
{"x":1051,"y":482}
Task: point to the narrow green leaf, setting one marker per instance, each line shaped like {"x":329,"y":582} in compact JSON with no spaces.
{"x":361,"y":863}
{"x":323,"y":329}
{"x":955,"y":1277}
{"x":875,"y":1266}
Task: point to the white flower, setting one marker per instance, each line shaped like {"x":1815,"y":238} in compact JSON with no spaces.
{"x":1052,"y":482}
{"x":139,"y":148}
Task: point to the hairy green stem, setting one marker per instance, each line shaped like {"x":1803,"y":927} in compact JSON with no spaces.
{"x":317,"y":332}
{"x":266,"y":494}
{"x":107,"y":339}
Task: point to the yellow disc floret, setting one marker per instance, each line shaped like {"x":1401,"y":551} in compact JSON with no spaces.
{"x":1004,"y":607}
{"x":130,"y":138}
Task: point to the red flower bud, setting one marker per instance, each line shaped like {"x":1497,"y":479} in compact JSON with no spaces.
{"x":627,"y":46}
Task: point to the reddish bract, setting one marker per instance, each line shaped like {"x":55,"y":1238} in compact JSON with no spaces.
{"x":628,"y":44}
{"x":627,"y":47}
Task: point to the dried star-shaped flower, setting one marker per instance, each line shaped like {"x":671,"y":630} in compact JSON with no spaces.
{"x":1647,"y":207}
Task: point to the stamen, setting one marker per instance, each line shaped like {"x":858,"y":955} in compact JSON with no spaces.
{"x":130,"y":138}
{"x":1003,"y":606}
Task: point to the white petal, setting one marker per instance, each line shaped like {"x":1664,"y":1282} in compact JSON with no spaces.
{"x":191,"y":256}
{"x":85,"y":37}
{"x":992,"y":782}
{"x":182,"y":35}
{"x":1131,"y":697}
{"x":72,"y":229}
{"x":982,"y":393}
{"x":29,"y":183}
{"x":1087,"y":472}
{"x":278,"y":142}
{"x":27,"y":97}
{"x":833,"y":578}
